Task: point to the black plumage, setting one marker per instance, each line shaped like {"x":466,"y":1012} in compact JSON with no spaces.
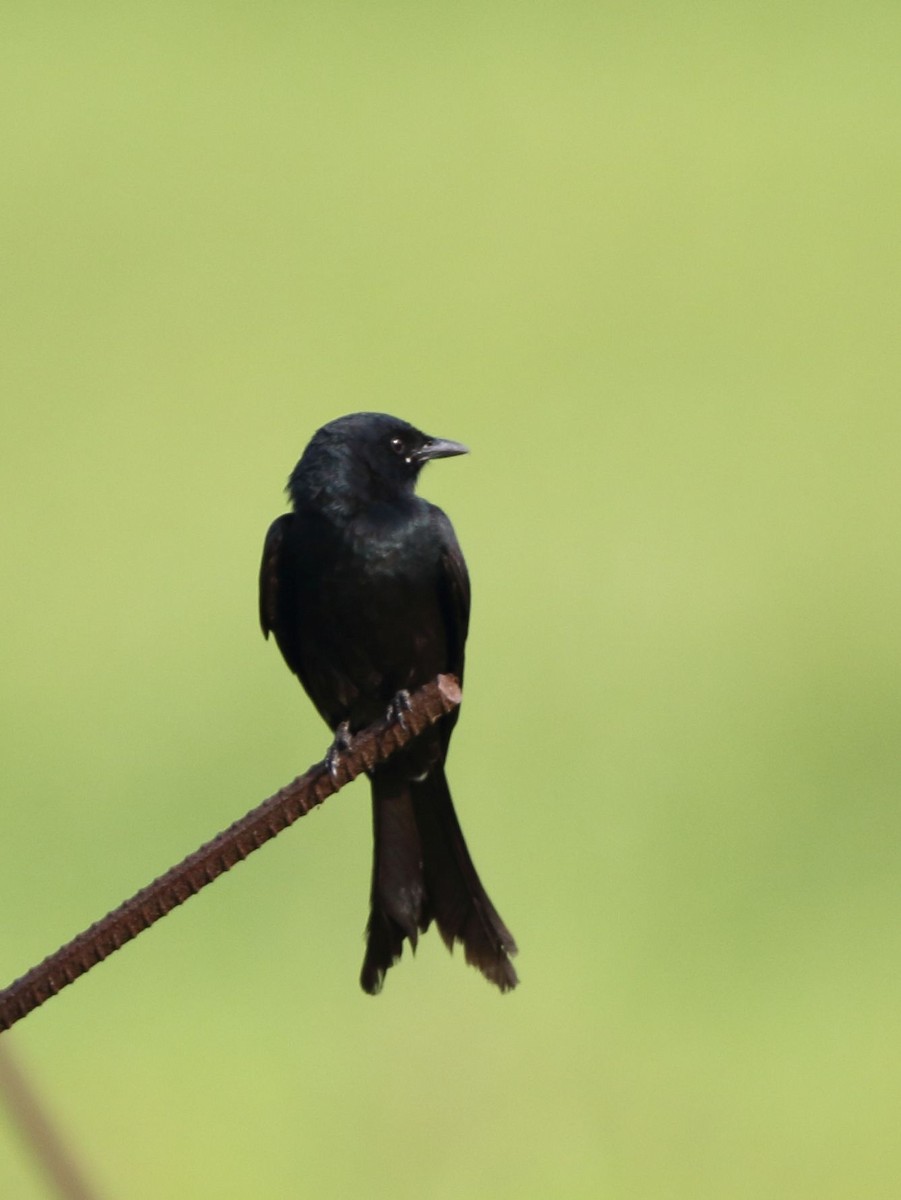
{"x":366,"y":591}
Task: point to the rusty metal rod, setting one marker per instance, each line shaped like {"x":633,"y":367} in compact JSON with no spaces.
{"x":369,"y":747}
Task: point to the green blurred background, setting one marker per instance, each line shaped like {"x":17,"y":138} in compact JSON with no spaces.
{"x":646,"y":262}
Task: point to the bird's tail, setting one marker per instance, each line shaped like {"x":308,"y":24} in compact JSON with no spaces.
{"x":422,"y":870}
{"x":398,"y":903}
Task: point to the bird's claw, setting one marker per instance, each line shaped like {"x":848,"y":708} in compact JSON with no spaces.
{"x":341,"y":742}
{"x":398,"y":707}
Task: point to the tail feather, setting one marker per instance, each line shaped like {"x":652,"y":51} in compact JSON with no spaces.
{"x":422,"y":870}
{"x":461,"y":907}
{"x":398,"y":902}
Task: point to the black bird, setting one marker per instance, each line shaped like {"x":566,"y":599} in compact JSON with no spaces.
{"x":366,"y":591}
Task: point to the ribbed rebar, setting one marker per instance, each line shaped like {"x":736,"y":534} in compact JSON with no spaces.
{"x":369,"y":747}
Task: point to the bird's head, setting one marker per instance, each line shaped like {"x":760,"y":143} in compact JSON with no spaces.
{"x":364,"y":458}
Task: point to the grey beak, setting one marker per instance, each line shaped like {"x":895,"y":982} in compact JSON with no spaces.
{"x":440,"y":448}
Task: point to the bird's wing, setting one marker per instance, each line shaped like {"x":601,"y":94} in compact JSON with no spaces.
{"x":269,"y":572}
{"x":454,"y":596}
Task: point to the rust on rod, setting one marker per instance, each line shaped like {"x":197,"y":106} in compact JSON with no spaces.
{"x":368,"y":748}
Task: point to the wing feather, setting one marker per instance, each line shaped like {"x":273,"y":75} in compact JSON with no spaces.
{"x":454,"y":595}
{"x":270,"y":569}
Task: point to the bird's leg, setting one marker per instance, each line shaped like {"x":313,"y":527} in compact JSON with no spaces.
{"x":398,"y":706}
{"x":342,"y":741}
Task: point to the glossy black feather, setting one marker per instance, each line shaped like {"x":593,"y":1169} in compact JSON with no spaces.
{"x":365,"y":589}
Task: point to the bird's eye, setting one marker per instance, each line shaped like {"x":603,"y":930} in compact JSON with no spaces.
{"x":397,"y":445}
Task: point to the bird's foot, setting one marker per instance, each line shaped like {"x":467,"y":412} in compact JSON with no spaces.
{"x":342,"y":741}
{"x":398,"y":707}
